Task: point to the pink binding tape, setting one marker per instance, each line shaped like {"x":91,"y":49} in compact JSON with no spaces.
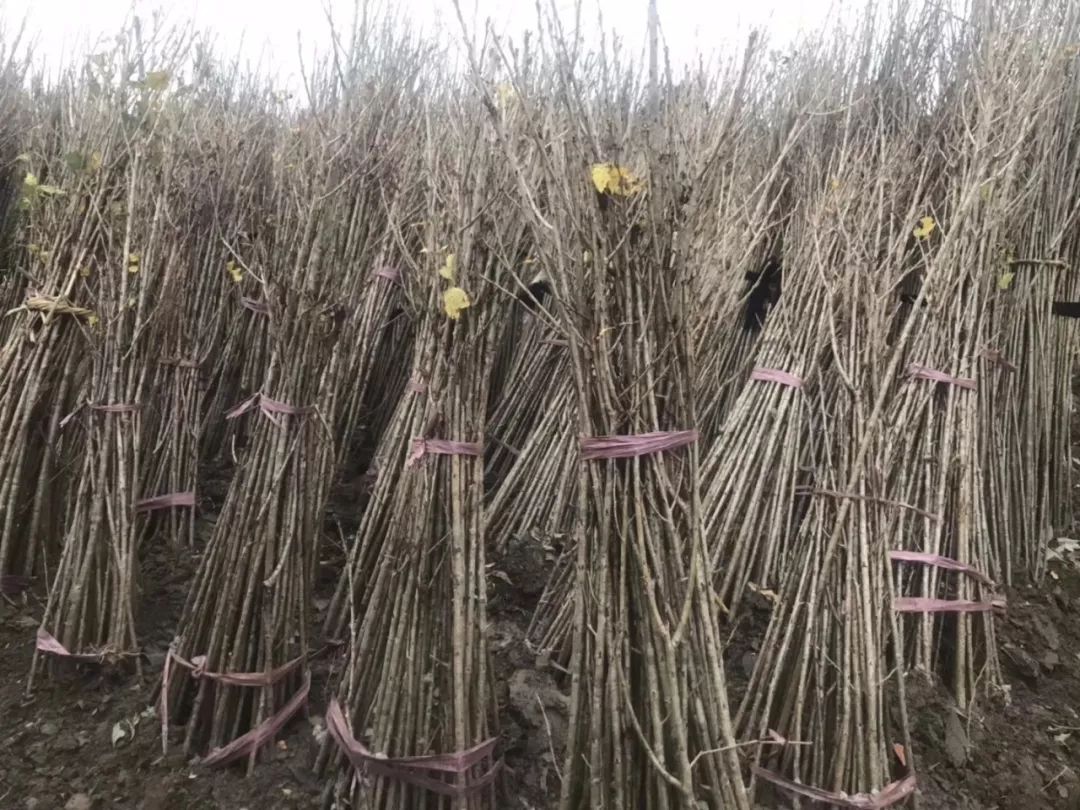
{"x":268,"y":407}
{"x":441,"y":447}
{"x":641,"y":444}
{"x":170,"y":501}
{"x":248,"y":744}
{"x":389,"y":273}
{"x":924,"y":373}
{"x":775,"y":375}
{"x":940,"y":562}
{"x":121,"y":407}
{"x":256,"y":306}
{"x":179,"y":362}
{"x":995,"y":356}
{"x":920,"y":604}
{"x":411,"y":770}
{"x":46,"y":643}
{"x":197,"y":666}
{"x":891,"y":794}
{"x":417,"y":386}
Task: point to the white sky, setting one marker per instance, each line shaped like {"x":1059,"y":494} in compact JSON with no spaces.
{"x":269,"y":28}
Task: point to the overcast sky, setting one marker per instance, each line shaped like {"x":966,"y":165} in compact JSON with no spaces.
{"x":257,"y":28}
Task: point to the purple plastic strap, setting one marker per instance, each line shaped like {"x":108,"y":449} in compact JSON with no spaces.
{"x":633,"y":446}
{"x":170,"y":501}
{"x":775,"y":375}
{"x":923,"y":373}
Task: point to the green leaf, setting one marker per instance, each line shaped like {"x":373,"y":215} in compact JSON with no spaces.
{"x":51,"y":191}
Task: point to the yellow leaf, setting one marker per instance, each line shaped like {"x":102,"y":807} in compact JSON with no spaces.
{"x":455,"y":300}
{"x":237,"y":273}
{"x":30,"y":181}
{"x":92,"y":319}
{"x":835,"y":183}
{"x":628,"y":184}
{"x":1006,"y":280}
{"x":924,"y":228}
{"x":767,"y":593}
{"x":586,"y":257}
{"x":83,"y":164}
{"x":448,"y":270}
{"x":506,"y":94}
{"x":84,"y":272}
{"x":608,"y":178}
{"x":157,"y":80}
{"x":601,"y":176}
{"x":133,"y":263}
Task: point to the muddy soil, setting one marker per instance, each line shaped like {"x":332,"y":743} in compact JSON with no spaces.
{"x":1022,"y":751}
{"x":88,"y":739}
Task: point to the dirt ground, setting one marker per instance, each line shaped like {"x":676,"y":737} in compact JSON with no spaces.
{"x":86,"y":740}
{"x":1024,"y":753}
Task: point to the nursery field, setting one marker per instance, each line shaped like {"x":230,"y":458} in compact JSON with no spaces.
{"x":522,"y":424}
